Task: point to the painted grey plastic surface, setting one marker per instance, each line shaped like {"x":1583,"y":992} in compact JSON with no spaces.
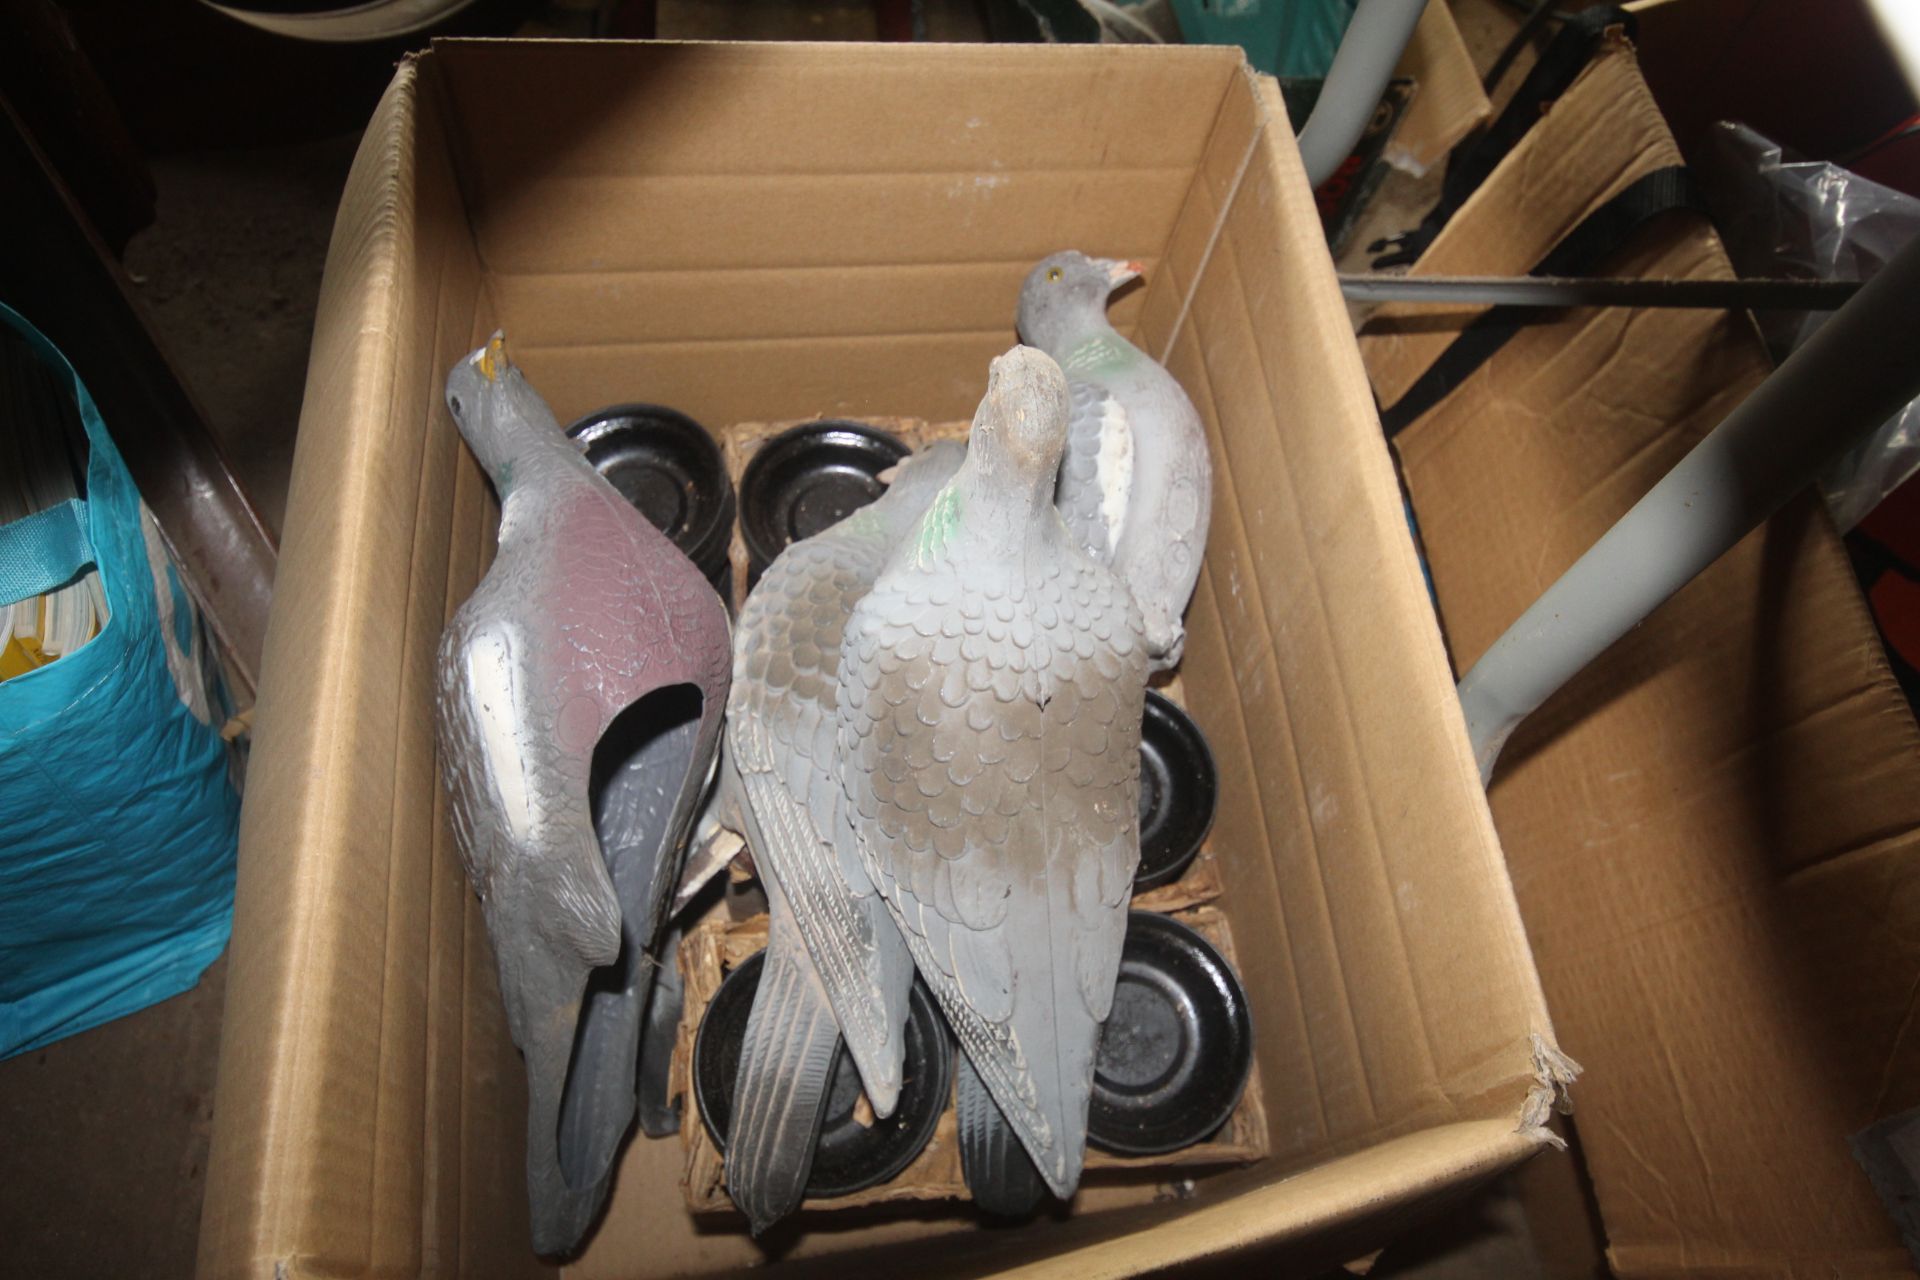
{"x":1136,"y":481}
{"x":992,"y":686}
{"x":836,"y":963}
{"x":999,"y":1172}
{"x":585,"y":678}
{"x":659,"y":1118}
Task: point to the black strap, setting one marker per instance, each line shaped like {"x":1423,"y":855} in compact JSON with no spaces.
{"x":1580,"y":252}
{"x":1565,"y":56}
{"x":1542,"y":13}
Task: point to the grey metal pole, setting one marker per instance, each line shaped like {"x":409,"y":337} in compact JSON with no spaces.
{"x":1861,"y":366}
{"x":1599,"y":291}
{"x":1374,"y":41}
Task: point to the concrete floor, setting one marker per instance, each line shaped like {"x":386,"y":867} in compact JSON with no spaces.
{"x":104,"y":1137}
{"x":229,"y":274}
{"x":103,"y":1143}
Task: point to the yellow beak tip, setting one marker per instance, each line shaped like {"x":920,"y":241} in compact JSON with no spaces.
{"x":494,"y":358}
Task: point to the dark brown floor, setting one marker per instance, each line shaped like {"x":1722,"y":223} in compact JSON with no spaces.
{"x":103,"y":1143}
{"x":229,"y":275}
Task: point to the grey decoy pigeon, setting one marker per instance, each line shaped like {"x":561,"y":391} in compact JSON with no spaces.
{"x":1136,"y":485}
{"x":991,"y":689}
{"x":836,"y":964}
{"x":581,"y":691}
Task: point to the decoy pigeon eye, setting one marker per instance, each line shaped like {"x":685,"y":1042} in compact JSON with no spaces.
{"x":1054,"y":274}
{"x":453,"y":402}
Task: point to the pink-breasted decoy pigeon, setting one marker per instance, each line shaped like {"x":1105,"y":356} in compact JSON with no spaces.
{"x":581,"y":692}
{"x":1136,"y":484}
{"x":991,"y":689}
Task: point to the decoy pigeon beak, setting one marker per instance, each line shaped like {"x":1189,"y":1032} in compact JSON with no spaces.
{"x":491,"y":359}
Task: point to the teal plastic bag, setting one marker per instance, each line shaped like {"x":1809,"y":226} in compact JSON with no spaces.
{"x":118,"y":820}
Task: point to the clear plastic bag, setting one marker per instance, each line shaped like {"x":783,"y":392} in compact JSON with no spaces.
{"x":1808,"y":219}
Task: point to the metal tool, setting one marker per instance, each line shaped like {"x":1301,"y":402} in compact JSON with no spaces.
{"x":1854,"y":372}
{"x":1581,"y":291}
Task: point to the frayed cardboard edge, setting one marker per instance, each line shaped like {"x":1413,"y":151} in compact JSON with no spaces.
{"x":1553,"y":1075}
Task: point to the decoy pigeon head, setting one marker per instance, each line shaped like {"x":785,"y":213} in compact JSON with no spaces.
{"x":493,"y":403}
{"x":1020,"y":428}
{"x":1065,"y":298}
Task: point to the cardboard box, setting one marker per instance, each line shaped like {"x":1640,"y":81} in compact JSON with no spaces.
{"x":1448,"y":100}
{"x":1714,"y":831}
{"x":764,"y":232}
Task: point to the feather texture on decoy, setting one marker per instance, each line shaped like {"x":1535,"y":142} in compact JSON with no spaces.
{"x":836,"y":964}
{"x":990,"y":704}
{"x":581,"y":690}
{"x":1136,"y":481}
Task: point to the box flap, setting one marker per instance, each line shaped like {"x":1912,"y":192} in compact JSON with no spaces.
{"x":1712,"y":830}
{"x":1533,"y":206}
{"x":1448,"y":102}
{"x":371,"y":1103}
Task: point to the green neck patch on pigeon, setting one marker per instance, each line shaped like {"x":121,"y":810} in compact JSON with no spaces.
{"x":863,"y":523}
{"x":1099,"y":354}
{"x":937,"y":526}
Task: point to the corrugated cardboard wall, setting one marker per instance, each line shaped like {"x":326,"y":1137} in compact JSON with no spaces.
{"x":369,"y":1099}
{"x":1712,"y":830}
{"x":841,"y":241}
{"x":1399,"y":930}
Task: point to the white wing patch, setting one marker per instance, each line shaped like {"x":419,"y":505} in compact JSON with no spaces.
{"x":490,"y":686}
{"x":1115,"y":468}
